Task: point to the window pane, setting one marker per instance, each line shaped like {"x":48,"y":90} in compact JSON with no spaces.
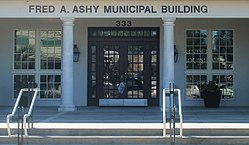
{"x":22,"y":81}
{"x":50,"y":86}
{"x":193,"y":85}
{"x":225,"y":83}
{"x":50,"y":49}
{"x":222,"y":49}
{"x":196,"y":50}
{"x":24,"y":49}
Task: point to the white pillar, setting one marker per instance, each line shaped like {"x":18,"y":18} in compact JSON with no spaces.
{"x":168,"y":53}
{"x":67,"y":66}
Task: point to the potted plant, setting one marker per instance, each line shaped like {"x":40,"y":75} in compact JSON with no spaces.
{"x":211,"y":94}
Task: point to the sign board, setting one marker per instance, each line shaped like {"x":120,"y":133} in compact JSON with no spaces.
{"x":123,"y":9}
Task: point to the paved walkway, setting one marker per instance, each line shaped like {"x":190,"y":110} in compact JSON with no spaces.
{"x":134,"y":115}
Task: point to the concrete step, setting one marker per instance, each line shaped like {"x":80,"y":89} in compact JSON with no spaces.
{"x":186,"y":140}
{"x":132,"y":129}
{"x":130,"y":133}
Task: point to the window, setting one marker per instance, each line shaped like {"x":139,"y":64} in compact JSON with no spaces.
{"x":222,"y":49}
{"x":196,"y":49}
{"x":50,"y":50}
{"x":24,"y":49}
{"x":38,"y":62}
{"x":124,"y":32}
{"x":193,"y":85}
{"x":209,"y":56}
{"x":20,"y":82}
{"x":50,"y":86}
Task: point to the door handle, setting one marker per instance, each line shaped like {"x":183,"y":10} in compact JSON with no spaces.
{"x":125,"y":77}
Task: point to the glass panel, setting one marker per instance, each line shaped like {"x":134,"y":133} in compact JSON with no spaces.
{"x":113,"y":33}
{"x":24,"y":49}
{"x":111,"y":74}
{"x":107,"y":33}
{"x":50,"y":85}
{"x":126,"y":33}
{"x":225,"y":83}
{"x":196,"y":50}
{"x":222,"y":45}
{"x":22,"y":81}
{"x":135,"y":74}
{"x":50,"y":50}
{"x":193,"y":86}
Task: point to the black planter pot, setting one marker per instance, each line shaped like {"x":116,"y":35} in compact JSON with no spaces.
{"x":211,"y":98}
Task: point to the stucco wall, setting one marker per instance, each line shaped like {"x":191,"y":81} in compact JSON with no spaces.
{"x":241,"y":33}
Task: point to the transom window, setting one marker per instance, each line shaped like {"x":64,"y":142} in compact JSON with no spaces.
{"x":37,"y":58}
{"x":209,"y":56}
{"x":125,"y":32}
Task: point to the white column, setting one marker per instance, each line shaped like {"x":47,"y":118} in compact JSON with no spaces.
{"x":168,"y":53}
{"x":67,"y":66}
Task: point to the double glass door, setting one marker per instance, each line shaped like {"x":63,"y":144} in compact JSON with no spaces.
{"x":123,"y":73}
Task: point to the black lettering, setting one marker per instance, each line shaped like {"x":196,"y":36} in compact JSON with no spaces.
{"x":88,"y":9}
{"x":141,"y":8}
{"x":132,"y":9}
{"x":45,"y":9}
{"x":31,"y":8}
{"x":38,"y":9}
{"x":147,"y":9}
{"x":196,"y":9}
{"x":107,"y":9}
{"x":51,"y":9}
{"x":81,"y":9}
{"x":152,"y":9}
{"x":179,"y":9}
{"x":75,"y":9}
{"x":186,"y":9}
{"x":164,"y":9}
{"x":63,"y":9}
{"x":129,"y":23}
{"x":95,"y":8}
{"x":204,"y":9}
{"x":118,"y":23}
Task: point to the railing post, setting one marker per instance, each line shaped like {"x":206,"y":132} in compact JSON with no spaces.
{"x":172,"y":113}
{"x":20,"y":121}
{"x":18,"y":125}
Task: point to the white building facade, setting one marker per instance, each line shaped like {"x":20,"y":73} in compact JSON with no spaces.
{"x":129,"y":51}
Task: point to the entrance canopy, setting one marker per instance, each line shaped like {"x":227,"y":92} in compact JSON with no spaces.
{"x":110,"y":9}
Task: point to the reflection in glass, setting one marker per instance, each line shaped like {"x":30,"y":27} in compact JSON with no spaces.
{"x":21,"y":81}
{"x":193,"y":86}
{"x":50,"y":86}
{"x":222,"y":49}
{"x":225,"y":83}
{"x":24,"y":49}
{"x":196,"y":49}
{"x":50,"y":54}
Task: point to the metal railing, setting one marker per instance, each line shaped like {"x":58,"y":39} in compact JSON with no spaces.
{"x":166,"y":93}
{"x":29,"y":112}
{"x":9,"y":116}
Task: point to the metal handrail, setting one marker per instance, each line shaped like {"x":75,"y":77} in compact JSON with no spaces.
{"x":29,"y":112}
{"x":166,"y":90}
{"x":16,"y":105}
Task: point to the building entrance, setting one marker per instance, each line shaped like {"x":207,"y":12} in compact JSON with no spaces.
{"x":123,"y":66}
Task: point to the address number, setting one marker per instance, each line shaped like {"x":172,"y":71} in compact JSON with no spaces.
{"x":123,"y":23}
